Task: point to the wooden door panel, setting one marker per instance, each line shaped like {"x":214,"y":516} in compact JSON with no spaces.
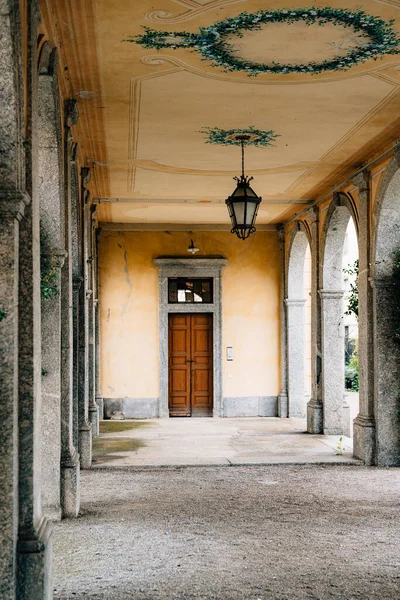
{"x":179,"y":368}
{"x":190,"y":365}
{"x":202,"y":367}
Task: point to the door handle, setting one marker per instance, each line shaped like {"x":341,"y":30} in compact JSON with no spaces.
{"x":190,"y":361}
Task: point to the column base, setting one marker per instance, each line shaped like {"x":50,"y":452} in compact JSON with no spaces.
{"x":314,"y":417}
{"x":34,"y":560}
{"x":94,"y":419}
{"x":100,"y":404}
{"x":283,"y":405}
{"x":85,"y":445}
{"x":52,"y":513}
{"x":346,"y":418}
{"x":70,"y":497}
{"x":364,"y":439}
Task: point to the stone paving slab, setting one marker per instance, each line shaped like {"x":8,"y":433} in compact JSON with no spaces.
{"x":210,"y":441}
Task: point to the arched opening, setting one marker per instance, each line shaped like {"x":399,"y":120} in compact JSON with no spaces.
{"x":350,"y":316}
{"x":386,"y":307}
{"x":299,"y":325}
{"x":337,"y":250}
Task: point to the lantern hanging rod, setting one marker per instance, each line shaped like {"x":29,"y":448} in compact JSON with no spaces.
{"x":242,"y":139}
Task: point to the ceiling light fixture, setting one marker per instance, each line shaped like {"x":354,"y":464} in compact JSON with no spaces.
{"x":192,"y":248}
{"x":243,"y":203}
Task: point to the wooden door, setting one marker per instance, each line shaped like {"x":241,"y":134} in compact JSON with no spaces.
{"x":190,"y":365}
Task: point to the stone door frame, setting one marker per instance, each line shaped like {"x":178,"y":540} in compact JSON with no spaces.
{"x":190,"y":267}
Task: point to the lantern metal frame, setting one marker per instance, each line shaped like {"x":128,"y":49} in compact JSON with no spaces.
{"x":244,"y":195}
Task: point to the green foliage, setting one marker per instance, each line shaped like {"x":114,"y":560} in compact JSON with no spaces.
{"x":353,"y":365}
{"x":2,"y":315}
{"x":352,"y":306}
{"x":226,"y":137}
{"x":48,"y":271}
{"x":378,"y":38}
{"x":339,"y":448}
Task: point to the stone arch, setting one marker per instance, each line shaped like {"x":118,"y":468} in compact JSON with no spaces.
{"x":295,"y":303}
{"x":339,"y":213}
{"x":386,"y":242}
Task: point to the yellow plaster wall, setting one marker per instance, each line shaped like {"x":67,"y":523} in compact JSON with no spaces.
{"x":129,"y":310}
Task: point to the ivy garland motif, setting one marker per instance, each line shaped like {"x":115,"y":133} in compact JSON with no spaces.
{"x":228,"y":137}
{"x":378,"y":39}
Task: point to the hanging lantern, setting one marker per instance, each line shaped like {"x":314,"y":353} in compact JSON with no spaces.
{"x":243,"y":203}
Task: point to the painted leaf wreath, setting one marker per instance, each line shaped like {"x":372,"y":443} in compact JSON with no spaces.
{"x":378,"y":38}
{"x":227,"y":137}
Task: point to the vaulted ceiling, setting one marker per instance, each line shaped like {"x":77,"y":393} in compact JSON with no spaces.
{"x":143,"y":110}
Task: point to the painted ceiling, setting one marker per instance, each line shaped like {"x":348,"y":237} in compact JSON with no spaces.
{"x":145,"y":110}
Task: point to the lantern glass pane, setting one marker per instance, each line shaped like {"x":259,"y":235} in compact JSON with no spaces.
{"x":239,"y":192}
{"x":251,"y":209}
{"x":238,"y":209}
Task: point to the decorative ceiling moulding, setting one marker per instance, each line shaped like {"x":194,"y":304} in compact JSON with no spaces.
{"x":230,"y":137}
{"x":153,"y":165}
{"x":194,"y":10}
{"x":378,"y":38}
{"x":185,"y":227}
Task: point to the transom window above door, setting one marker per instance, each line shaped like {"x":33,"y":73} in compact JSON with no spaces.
{"x":186,"y":291}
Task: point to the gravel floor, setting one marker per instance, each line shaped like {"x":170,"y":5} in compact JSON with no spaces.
{"x":230,"y":533}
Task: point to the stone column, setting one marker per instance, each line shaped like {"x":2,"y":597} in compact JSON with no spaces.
{"x":364,"y":423}
{"x":333,"y":360}
{"x":77,"y":284}
{"x":283,"y":394}
{"x":99,"y":397}
{"x":77,"y":279}
{"x":85,"y":429}
{"x":296,"y":363}
{"x":387,"y":376}
{"x":93,"y":408}
{"x":34,"y":540}
{"x":34,"y":548}
{"x":69,"y":454}
{"x":51,"y":393}
{"x":11,"y":211}
{"x":314,"y":407}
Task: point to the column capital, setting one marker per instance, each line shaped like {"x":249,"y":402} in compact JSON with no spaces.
{"x":361,"y":180}
{"x":295,"y":301}
{"x":331,"y":294}
{"x":280,"y":232}
{"x":313,"y":214}
{"x":12,"y":204}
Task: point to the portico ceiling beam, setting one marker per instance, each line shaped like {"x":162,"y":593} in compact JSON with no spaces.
{"x":193,"y":201}
{"x":174,"y":227}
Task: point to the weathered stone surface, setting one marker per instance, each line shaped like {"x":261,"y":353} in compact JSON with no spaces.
{"x":314,"y":407}
{"x":9,"y":256}
{"x":251,"y":406}
{"x":296,"y":357}
{"x":69,"y":455}
{"x":131,"y":408}
{"x":283,"y":394}
{"x":364,"y":442}
{"x":333,"y":363}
